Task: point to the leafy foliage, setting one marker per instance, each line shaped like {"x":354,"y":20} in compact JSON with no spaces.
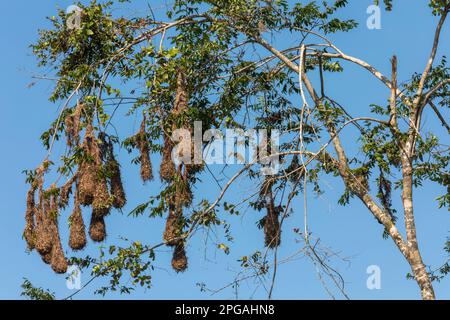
{"x":113,"y":62}
{"x":35,"y":293}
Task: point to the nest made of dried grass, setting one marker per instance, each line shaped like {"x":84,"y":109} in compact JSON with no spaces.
{"x":146,"y":164}
{"x":77,"y":234}
{"x":117,"y":191}
{"x":97,"y":227}
{"x":179,"y":258}
{"x":29,"y":232}
{"x":173,"y":229}
{"x":89,"y":168}
{"x":44,"y":236}
{"x":272,"y":231}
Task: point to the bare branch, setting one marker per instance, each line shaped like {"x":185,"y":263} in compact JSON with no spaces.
{"x":439,"y":115}
{"x":432,"y":55}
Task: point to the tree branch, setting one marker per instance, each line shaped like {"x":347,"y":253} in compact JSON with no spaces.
{"x":432,"y":55}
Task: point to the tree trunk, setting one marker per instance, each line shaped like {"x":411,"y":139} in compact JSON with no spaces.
{"x":421,"y":275}
{"x":414,"y":258}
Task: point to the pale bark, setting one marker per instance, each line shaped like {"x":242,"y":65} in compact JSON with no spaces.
{"x":409,"y":248}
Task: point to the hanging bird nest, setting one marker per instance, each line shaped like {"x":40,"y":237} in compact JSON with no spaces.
{"x":173,"y":229}
{"x":179,"y":258}
{"x":77,"y":238}
{"x":117,"y":192}
{"x":183,"y":194}
{"x":181,"y":95}
{"x":72,"y":126}
{"x":65,"y":191}
{"x":143,"y":145}
{"x":167,"y":169}
{"x":29,"y":232}
{"x":58,"y":260}
{"x":102,"y":199}
{"x":88,"y":168}
{"x":44,"y":236}
{"x":97,"y":227}
{"x":178,"y":177}
{"x":272,"y":231}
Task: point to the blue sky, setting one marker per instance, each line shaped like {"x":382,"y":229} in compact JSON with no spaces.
{"x":26,"y":113}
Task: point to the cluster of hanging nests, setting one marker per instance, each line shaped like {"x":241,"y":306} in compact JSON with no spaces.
{"x":178,"y":177}
{"x":98,"y":185}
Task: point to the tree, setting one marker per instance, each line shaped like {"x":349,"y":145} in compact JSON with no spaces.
{"x":200,"y":67}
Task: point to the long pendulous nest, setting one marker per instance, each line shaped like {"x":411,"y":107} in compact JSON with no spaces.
{"x":272,"y":230}
{"x":181,"y":96}
{"x":167,"y":169}
{"x":183,"y":194}
{"x":146,"y":164}
{"x":64,"y":195}
{"x":179,"y":258}
{"x":178,"y":179}
{"x":88,"y":170}
{"x":77,"y":237}
{"x":117,"y":192}
{"x":44,"y":236}
{"x":72,"y":126}
{"x":58,"y":260}
{"x":29,"y":232}
{"x":102,"y":199}
{"x":174,"y":226}
{"x":32,"y":214}
{"x":97,"y":227}
{"x":65,"y":191}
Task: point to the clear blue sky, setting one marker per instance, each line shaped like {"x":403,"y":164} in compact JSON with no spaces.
{"x":26,"y":113}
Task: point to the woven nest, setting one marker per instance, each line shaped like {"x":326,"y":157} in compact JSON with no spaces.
{"x":173,"y":227}
{"x":272,"y":232}
{"x":102,"y":199}
{"x":181,"y":96}
{"x":89,"y":168}
{"x":86,"y":184}
{"x":77,"y":238}
{"x":44,"y":236}
{"x":65,"y":192}
{"x":58,"y":260}
{"x":183,"y":195}
{"x":179,"y":258}
{"x":167,"y":169}
{"x":97,"y":228}
{"x":47,"y":258}
{"x":72,"y":126}
{"x":146,"y":165}
{"x":29,"y":232}
{"x":117,"y":191}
